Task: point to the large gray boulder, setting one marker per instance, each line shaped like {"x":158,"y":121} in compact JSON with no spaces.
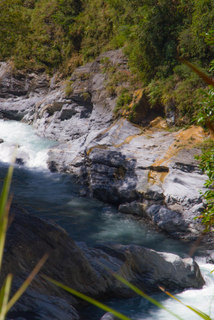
{"x":146,"y":268}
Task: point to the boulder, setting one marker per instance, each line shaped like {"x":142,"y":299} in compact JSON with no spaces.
{"x":112,"y":177}
{"x":145,"y":268}
{"x":108,"y":316}
{"x":28,"y":239}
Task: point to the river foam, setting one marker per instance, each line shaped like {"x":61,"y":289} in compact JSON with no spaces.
{"x":21,"y":139}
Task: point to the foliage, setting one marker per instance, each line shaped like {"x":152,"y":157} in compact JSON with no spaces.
{"x":123,"y":101}
{"x":206,"y":111}
{"x":46,"y":34}
{"x":38,"y":34}
{"x":192,"y":39}
{"x":13,"y":26}
{"x":179,"y":94}
{"x":68,"y":88}
{"x":206,"y":118}
{"x":95,"y":26}
{"x":51,"y":38}
{"x":207,"y":166}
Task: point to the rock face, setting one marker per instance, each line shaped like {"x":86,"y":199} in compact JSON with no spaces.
{"x":148,"y":172}
{"x":141,"y":172}
{"x":83,"y":268}
{"x":19,"y":93}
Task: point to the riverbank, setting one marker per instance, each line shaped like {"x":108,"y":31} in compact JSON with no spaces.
{"x":143,"y":169}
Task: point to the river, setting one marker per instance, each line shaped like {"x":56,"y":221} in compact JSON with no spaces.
{"x":56,"y":197}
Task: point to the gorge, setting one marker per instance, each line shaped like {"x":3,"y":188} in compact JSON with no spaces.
{"x":114,"y":185}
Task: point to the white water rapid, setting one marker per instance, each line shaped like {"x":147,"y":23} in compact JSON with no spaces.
{"x":21,"y":139}
{"x":202,"y":299}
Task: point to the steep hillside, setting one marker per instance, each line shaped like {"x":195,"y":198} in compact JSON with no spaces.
{"x":59,"y":35}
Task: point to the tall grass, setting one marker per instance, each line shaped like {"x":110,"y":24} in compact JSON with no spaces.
{"x":6,"y":303}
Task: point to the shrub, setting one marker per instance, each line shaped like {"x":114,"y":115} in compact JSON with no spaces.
{"x":123,"y":101}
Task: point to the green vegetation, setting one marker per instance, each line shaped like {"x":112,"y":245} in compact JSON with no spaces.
{"x":62,"y":34}
{"x":152,"y":33}
{"x":205,"y":117}
{"x":178,"y":93}
{"x":68,"y":87}
{"x":123,"y":101}
{"x":38,"y":34}
{"x":207,"y":166}
{"x":206,"y":111}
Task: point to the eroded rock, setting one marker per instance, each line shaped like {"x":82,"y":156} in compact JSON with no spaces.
{"x":115,"y":161}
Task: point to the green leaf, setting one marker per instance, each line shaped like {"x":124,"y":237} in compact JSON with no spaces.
{"x":27,"y":282}
{"x":88,"y":299}
{"x":4,"y":296}
{"x":4,"y":210}
{"x":195,"y":310}
{"x":200,"y":73}
{"x":144,"y":295}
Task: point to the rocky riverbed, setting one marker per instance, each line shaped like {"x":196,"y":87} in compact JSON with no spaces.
{"x":83,"y":268}
{"x":143,"y":168}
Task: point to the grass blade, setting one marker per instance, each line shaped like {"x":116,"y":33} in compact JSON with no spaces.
{"x":195,"y":310}
{"x":200,"y":73}
{"x":5,"y":192}
{"x":3,"y":230}
{"x":4,"y":210}
{"x":88,"y":299}
{"x":144,"y":295}
{"x":27,"y":282}
{"x":4,"y":296}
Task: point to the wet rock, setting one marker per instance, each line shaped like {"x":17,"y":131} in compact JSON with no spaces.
{"x":33,"y":305}
{"x":168,"y":220}
{"x":28,"y":239}
{"x":22,"y":157}
{"x":135,"y":208}
{"x":19,"y":161}
{"x":154,"y":192}
{"x":146,"y":268}
{"x":108,"y":316}
{"x":112,"y":177}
